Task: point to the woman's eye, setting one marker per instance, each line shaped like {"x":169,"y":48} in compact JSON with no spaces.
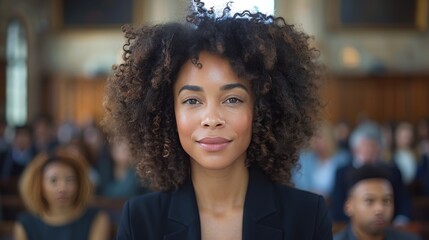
{"x":191,"y":101}
{"x":71,"y":179}
{"x":233,"y":100}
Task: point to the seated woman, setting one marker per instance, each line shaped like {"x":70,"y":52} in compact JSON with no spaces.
{"x":56,"y":190}
{"x":405,"y":156}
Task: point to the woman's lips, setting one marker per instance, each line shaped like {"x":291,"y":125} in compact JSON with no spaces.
{"x":213,"y":144}
{"x":62,"y":198}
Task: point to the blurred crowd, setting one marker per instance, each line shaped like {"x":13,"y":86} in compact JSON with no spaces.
{"x":400,"y":148}
{"x":110,"y":166}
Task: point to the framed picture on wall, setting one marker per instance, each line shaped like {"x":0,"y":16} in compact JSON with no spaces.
{"x":78,"y":14}
{"x":377,"y":14}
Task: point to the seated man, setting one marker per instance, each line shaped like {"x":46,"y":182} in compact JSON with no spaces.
{"x":370,"y":207}
{"x":365,"y":143}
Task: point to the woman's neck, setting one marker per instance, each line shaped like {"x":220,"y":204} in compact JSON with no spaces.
{"x":219,"y":191}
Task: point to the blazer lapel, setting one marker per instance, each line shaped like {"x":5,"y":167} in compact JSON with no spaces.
{"x":261,"y":219}
{"x":183,"y":217}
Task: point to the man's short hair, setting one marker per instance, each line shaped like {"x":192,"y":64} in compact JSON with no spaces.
{"x":367,"y":171}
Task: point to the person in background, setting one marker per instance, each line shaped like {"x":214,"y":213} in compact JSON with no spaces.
{"x":319,"y":163}
{"x":404,"y":155}
{"x":123,"y":181}
{"x":20,"y":153}
{"x":342,"y":134}
{"x":365,"y":143}
{"x":77,"y":146}
{"x":44,"y":133}
{"x":387,"y":140}
{"x":423,"y":137}
{"x":4,"y":144}
{"x":96,"y":147}
{"x":369,"y":205}
{"x":118,"y":180}
{"x":57,"y":191}
{"x":12,"y":163}
{"x":93,"y":138}
{"x":422,"y":177}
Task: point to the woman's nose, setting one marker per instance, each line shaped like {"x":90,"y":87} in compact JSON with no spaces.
{"x":61,"y":186}
{"x":212,"y":117}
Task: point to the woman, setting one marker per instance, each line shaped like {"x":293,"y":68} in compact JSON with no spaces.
{"x":56,"y":190}
{"x":405,"y":156}
{"x":215,"y":112}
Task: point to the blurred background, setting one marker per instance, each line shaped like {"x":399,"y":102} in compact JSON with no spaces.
{"x":55,"y":56}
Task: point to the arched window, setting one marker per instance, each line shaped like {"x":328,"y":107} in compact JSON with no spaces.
{"x":264,"y":6}
{"x":16,"y":73}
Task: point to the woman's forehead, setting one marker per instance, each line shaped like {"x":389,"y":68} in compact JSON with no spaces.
{"x":210,"y":66}
{"x":58,"y":167}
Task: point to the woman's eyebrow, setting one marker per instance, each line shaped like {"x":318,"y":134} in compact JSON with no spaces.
{"x":223,"y":88}
{"x":232,"y":86}
{"x":191,"y":88}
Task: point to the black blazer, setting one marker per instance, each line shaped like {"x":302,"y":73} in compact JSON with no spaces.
{"x":271,"y":211}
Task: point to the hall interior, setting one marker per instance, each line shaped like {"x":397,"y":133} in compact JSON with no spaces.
{"x":56,"y":55}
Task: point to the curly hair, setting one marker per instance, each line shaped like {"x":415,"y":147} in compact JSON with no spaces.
{"x":276,"y":58}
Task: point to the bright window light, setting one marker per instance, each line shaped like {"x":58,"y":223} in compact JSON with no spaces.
{"x":16,"y":74}
{"x":263,"y":6}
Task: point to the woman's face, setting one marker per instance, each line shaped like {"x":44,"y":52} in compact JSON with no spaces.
{"x":59,"y":185}
{"x":214,"y":112}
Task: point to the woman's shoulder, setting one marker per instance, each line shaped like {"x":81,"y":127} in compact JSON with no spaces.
{"x":293,"y":210}
{"x":91,"y":213}
{"x":149,"y":211}
{"x":260,"y":183}
{"x":149,"y":199}
{"x":299,"y":202}
{"x":286,"y":197}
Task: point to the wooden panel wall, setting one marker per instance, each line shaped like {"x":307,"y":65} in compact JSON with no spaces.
{"x":76,"y":99}
{"x":381,"y":98}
